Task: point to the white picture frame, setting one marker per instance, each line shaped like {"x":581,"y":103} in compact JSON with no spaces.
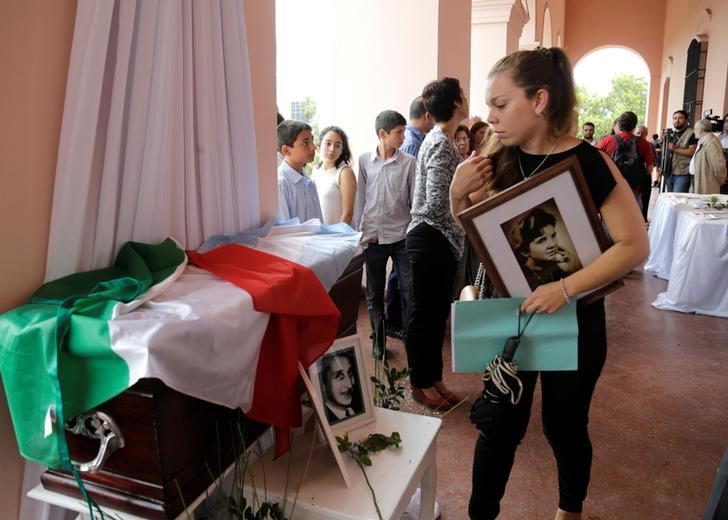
{"x":562,"y":193}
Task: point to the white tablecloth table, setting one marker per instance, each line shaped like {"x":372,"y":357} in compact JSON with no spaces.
{"x":689,"y":247}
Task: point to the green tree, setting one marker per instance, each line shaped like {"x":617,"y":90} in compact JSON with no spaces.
{"x":627,"y":92}
{"x":308,"y":111}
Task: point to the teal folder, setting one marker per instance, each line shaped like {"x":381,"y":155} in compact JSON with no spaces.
{"x":480,"y":329}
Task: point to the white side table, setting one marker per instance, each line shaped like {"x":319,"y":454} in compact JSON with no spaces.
{"x":395,"y":474}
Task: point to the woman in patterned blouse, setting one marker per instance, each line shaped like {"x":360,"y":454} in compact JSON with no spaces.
{"x":434,"y":243}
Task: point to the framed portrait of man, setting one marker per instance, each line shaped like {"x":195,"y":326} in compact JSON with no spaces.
{"x":339,"y":379}
{"x":538,"y":231}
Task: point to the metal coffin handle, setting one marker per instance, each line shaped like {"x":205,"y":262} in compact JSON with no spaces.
{"x":97,"y":425}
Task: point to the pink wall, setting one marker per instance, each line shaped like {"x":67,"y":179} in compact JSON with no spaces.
{"x":453,"y":43}
{"x":260,"y":26}
{"x":35,"y":44}
{"x":588,"y":28}
{"x":684,"y":21}
{"x":35,"y":41}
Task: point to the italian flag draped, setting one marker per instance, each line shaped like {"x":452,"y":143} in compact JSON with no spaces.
{"x":230,"y":331}
{"x":56,"y":359}
{"x":302,"y":326}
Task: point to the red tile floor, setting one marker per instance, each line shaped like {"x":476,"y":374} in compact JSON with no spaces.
{"x":659,"y":420}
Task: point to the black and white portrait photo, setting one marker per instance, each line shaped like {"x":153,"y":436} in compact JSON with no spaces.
{"x":339,"y":378}
{"x":340,"y":388}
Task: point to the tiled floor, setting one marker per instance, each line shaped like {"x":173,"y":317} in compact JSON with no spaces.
{"x":659,"y":420}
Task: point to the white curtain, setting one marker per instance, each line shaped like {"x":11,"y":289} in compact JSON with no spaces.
{"x":157,"y":137}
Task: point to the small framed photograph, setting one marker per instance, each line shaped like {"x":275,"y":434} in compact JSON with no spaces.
{"x":324,"y":428}
{"x":538,"y":231}
{"x":339,"y":378}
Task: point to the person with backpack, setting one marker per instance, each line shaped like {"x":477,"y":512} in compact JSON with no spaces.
{"x":633,"y":156}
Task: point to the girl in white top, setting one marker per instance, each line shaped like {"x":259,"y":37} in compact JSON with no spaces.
{"x":334,"y":178}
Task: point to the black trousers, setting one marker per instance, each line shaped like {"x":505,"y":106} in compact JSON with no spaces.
{"x":566,"y":397}
{"x":433,"y":273}
{"x":646,"y":193}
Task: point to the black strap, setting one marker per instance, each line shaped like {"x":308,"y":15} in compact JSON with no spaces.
{"x":522,"y":330}
{"x":509,"y":349}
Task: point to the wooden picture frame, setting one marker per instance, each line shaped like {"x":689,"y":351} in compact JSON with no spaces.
{"x":339,"y":377}
{"x":537,"y":231}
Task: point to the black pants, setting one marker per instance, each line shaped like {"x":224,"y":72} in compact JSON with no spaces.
{"x":566,"y":397}
{"x":433,"y":273}
{"x":646,"y":193}
{"x":375,"y":258}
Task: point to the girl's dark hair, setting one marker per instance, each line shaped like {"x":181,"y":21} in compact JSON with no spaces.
{"x":345,"y":156}
{"x":540,"y":68}
{"x":440,"y":97}
{"x":529,"y":228}
{"x":473,"y":129}
{"x":463,"y":128}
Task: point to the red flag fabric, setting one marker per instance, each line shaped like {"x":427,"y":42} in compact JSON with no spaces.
{"x":302,"y":326}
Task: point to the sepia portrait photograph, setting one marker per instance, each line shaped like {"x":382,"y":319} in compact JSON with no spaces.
{"x":541,"y":244}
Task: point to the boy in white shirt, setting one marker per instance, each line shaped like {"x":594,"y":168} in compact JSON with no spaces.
{"x":384,"y":198}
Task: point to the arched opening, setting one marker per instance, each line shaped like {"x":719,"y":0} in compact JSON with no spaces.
{"x":546,"y":39}
{"x":695,"y":79}
{"x":609,"y":81}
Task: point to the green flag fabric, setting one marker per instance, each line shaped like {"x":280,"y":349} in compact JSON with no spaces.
{"x":55,"y":355}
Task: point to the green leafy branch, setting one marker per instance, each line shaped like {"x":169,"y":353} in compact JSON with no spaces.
{"x":714,"y":203}
{"x":388,"y":382}
{"x":390,"y":392}
{"x":233,"y":504}
{"x":361,"y":451}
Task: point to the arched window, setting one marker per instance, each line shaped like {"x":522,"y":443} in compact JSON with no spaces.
{"x":694,"y":79}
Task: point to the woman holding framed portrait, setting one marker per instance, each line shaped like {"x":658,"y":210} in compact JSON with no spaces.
{"x":531,"y":99}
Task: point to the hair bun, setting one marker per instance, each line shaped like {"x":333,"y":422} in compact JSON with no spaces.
{"x":546,"y":52}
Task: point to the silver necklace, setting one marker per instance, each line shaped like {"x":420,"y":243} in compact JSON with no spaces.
{"x":520,"y":166}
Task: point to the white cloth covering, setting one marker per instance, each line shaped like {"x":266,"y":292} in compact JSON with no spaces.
{"x":157,"y":137}
{"x":662,"y":236}
{"x":695,"y":259}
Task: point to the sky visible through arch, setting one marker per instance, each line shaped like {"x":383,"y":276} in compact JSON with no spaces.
{"x":596,"y":70}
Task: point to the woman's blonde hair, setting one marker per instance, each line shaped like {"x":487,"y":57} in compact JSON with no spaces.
{"x":541,"y":68}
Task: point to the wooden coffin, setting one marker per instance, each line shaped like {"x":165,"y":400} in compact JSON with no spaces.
{"x":175,"y":443}
{"x":171,"y":440}
{"x":346,"y":294}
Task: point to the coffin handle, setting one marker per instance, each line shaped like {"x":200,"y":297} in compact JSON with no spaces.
{"x":97,"y":425}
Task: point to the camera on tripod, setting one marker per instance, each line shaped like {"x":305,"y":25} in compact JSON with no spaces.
{"x":670,"y":136}
{"x":716,"y":122}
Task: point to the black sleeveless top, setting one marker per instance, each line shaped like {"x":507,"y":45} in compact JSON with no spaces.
{"x":596,"y":172}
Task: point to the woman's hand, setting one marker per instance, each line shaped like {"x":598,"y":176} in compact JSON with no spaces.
{"x":546,"y":299}
{"x":470,"y":176}
{"x":564,"y":261}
